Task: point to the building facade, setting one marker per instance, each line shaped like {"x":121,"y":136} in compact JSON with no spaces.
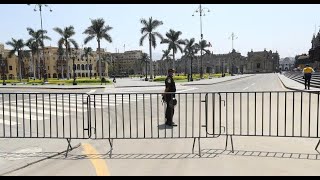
{"x":286,"y":64}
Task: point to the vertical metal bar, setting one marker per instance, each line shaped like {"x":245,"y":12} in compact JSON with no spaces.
{"x":240,"y":113}
{"x":293,"y":113}
{"x":37,"y":115}
{"x":270,"y":115}
{"x":3,"y":116}
{"x":186,"y":105}
{"x":144,"y":117}
{"x":255,"y":113}
{"x":233,"y":107}
{"x":227,"y":113}
{"x":109,"y":117}
{"x":151,"y":114}
{"x":137,"y":115}
{"x":277,"y":113}
{"x":301,"y":114}
{"x":285,"y":113}
{"x":50,"y":115}
{"x":76,"y":96}
{"x":30,"y":114}
{"x":123,"y":134}
{"x":200,"y":115}
{"x":213,"y":112}
{"x":23,"y":117}
{"x":172,"y":120}
{"x":102,"y":116}
{"x":63,"y":114}
{"x":88,"y":104}
{"x":318,"y":116}
{"x":95,"y":116}
{"x":17,"y":118}
{"x":309,"y":114}
{"x":116,"y":114}
{"x":70,"y":116}
{"x":179,"y":116}
{"x":57,"y":129}
{"x":43,"y":117}
{"x":158,"y":117}
{"x":130,"y":114}
{"x":248,"y":120}
{"x":262,"y":112}
{"x":192,"y":116}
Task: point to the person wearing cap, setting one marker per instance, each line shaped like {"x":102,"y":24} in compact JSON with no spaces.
{"x":307,"y":73}
{"x":170,"y":97}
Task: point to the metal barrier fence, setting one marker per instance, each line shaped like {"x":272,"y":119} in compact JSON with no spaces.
{"x":142,"y":115}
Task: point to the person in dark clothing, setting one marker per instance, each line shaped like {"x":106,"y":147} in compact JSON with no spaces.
{"x":170,"y":97}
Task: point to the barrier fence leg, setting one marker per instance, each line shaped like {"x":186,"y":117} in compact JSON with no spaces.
{"x":69,"y":148}
{"x":232,"y":150}
{"x":317,"y":147}
{"x":194,"y":142}
{"x":111,"y":147}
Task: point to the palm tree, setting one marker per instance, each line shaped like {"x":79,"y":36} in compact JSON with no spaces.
{"x":145,"y":59}
{"x":87,"y":51}
{"x":17,"y":46}
{"x":34,"y":48}
{"x":36,"y":37}
{"x":202,"y":47}
{"x":65,"y":40}
{"x":190,"y":50}
{"x":98,"y":30}
{"x":174,"y":43}
{"x":166,"y":56}
{"x":61,"y":54}
{"x":148,"y":30}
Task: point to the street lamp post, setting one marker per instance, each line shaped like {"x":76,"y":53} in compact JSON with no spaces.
{"x":40,"y":10}
{"x":201,"y":11}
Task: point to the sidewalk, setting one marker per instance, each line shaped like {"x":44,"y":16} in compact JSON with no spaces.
{"x":292,"y":84}
{"x":127,"y":83}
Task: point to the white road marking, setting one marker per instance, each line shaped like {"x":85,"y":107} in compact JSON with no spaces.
{"x":92,"y":91}
{"x":186,"y":90}
{"x":253,"y":84}
{"x":6,"y":122}
{"x":245,"y":88}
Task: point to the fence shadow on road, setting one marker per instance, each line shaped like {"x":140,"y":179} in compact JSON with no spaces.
{"x":205,"y":153}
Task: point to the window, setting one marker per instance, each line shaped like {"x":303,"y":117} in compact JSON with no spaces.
{"x":10,"y":67}
{"x":48,"y":67}
{"x":258,"y":65}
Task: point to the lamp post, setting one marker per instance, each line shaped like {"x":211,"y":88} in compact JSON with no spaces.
{"x":40,"y":10}
{"x":3,"y":65}
{"x":201,"y":11}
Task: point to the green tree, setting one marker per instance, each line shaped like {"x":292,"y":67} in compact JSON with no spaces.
{"x":87,"y":51}
{"x":98,"y":30}
{"x":17,"y":46}
{"x":148,"y":29}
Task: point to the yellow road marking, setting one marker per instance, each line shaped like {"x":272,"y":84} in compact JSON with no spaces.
{"x":100,"y":165}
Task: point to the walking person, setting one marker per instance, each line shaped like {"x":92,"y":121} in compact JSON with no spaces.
{"x":169,"y":97}
{"x":307,"y":73}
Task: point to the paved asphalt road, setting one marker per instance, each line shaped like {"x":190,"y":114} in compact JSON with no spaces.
{"x":252,"y":155}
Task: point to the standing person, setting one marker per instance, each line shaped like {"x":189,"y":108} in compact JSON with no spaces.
{"x":170,"y":97}
{"x":307,"y":72}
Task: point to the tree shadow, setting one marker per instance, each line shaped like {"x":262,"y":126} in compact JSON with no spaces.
{"x":164,"y":126}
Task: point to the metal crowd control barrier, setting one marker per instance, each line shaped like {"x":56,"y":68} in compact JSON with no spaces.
{"x":142,"y":116}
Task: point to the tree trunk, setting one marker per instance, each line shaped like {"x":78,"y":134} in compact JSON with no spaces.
{"x":19,"y":60}
{"x":34,"y":67}
{"x":88,"y":65}
{"x":150,"y":51}
{"x":67,"y":59}
{"x":99,"y":59}
{"x":38,"y":65}
{"x":191,"y":78}
{"x":173,"y":63}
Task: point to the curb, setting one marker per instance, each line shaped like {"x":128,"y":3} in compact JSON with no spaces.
{"x":39,"y":87}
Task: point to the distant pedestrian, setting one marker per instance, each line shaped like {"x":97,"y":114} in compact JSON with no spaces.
{"x":169,"y":97}
{"x":307,"y":73}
